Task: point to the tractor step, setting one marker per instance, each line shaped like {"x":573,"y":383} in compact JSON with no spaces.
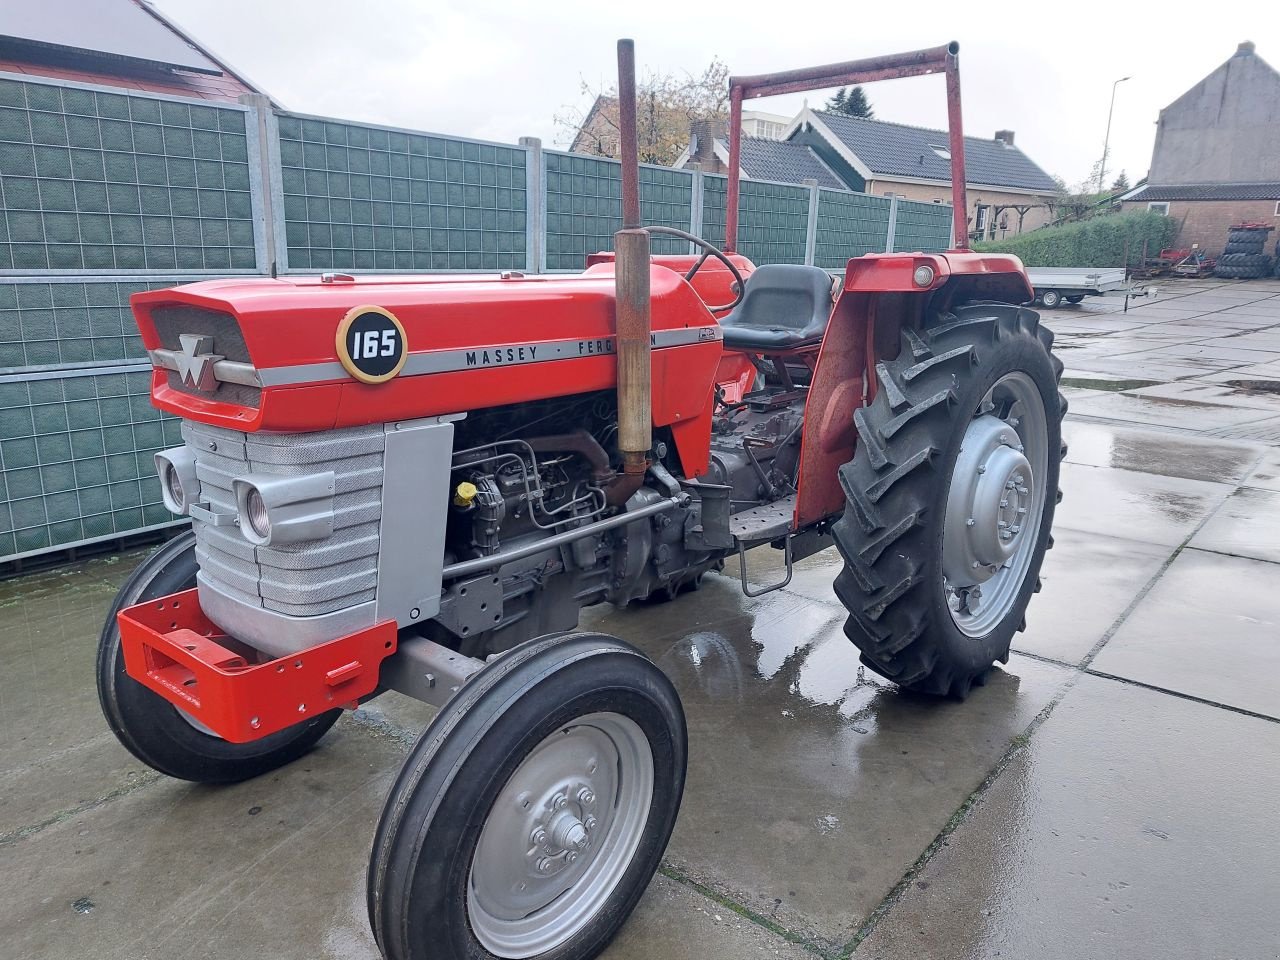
{"x":171,"y":647}
{"x":768,"y":521}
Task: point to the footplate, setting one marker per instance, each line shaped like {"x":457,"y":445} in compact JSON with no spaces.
{"x":171,"y":647}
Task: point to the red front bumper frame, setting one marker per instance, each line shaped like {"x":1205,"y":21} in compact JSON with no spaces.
{"x":172,"y":648}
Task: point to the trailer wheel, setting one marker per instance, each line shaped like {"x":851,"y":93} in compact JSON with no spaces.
{"x":1074,"y":298}
{"x":531,"y":815}
{"x":1050,"y":298}
{"x":155,"y":731}
{"x":951,"y":493}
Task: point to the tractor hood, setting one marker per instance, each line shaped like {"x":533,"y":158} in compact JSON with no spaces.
{"x":311,"y":353}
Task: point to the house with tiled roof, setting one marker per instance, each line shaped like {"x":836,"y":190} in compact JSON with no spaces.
{"x":1216,"y":160}
{"x":117,"y":43}
{"x":1007,"y":191}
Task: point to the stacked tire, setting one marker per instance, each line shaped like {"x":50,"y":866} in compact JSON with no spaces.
{"x":1244,"y":257}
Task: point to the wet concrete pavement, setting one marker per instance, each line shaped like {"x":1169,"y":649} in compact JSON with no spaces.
{"x":1109,"y":793}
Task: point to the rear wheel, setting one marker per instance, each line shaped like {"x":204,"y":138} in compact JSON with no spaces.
{"x":1075,"y":298}
{"x":155,"y":731}
{"x":532,"y":814}
{"x":951,"y":494}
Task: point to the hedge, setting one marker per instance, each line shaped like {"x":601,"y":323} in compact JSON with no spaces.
{"x":1099,"y":242}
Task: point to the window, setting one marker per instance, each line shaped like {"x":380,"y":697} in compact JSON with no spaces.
{"x":980,"y":221}
{"x":939,"y":200}
{"x":943,"y":152}
{"x":1163,"y":208}
{"x":1277,"y":208}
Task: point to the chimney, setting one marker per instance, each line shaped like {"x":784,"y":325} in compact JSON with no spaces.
{"x":1005,"y":137}
{"x":703,"y":134}
{"x":1245,"y":49}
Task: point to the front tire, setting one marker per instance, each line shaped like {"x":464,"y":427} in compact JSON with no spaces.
{"x":531,"y":815}
{"x":151,"y":728}
{"x":951,"y":493}
{"x":1051,"y":298}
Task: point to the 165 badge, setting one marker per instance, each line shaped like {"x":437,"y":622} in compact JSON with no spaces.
{"x":371,"y":344}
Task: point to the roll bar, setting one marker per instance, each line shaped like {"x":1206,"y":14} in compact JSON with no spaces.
{"x":918,"y":63}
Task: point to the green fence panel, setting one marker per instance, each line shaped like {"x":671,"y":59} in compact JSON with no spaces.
{"x":584,"y":206}
{"x":94,"y":180}
{"x":70,"y":322}
{"x":849,"y":225}
{"x":773,"y":219}
{"x":76,"y":459}
{"x":923,"y":227}
{"x":364,"y":197}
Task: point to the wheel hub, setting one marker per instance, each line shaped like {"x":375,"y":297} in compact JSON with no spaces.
{"x":995,"y":501}
{"x":992,"y":490}
{"x":560,"y":835}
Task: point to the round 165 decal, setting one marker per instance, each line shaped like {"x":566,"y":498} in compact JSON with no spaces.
{"x":371,"y":344}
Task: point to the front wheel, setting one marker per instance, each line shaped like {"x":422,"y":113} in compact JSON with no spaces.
{"x":532,"y":814}
{"x":1051,"y":298}
{"x":951,"y":493}
{"x":155,"y":731}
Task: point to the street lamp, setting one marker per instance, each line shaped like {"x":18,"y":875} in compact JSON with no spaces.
{"x":1102,"y":168}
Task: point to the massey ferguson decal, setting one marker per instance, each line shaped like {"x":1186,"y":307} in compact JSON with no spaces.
{"x":371,"y":344}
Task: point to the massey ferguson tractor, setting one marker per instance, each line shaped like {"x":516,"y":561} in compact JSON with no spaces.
{"x":414,"y":483}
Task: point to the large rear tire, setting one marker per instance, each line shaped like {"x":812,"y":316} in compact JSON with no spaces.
{"x":151,"y":728}
{"x":534,"y":811}
{"x":951,"y":494}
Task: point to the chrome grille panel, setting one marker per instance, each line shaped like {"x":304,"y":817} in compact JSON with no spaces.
{"x":237,"y":379}
{"x":298,"y":579}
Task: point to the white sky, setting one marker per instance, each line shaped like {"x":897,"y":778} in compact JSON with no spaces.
{"x":501,"y":69}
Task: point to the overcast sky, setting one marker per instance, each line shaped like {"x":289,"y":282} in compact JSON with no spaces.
{"x":501,"y":69}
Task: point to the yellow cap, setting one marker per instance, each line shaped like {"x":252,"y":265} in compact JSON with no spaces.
{"x":464,"y":494}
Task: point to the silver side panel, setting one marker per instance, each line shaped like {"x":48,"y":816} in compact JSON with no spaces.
{"x":284,"y":598}
{"x":415,"y":497}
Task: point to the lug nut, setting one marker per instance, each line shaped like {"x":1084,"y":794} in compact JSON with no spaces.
{"x":558,"y":801}
{"x":539,"y":837}
{"x":570,"y":857}
{"x":545,"y":865}
{"x":589,"y":823}
{"x":586,"y":796}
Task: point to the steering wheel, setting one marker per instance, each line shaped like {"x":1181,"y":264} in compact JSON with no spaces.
{"x":708,"y":250}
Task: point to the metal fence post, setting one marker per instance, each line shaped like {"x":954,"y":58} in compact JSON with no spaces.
{"x":811,"y":232}
{"x":695,"y":202}
{"x":535,"y":244}
{"x":265,"y":174}
{"x":893,"y":224}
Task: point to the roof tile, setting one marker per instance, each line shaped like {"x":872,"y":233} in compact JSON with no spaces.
{"x":895,"y":149}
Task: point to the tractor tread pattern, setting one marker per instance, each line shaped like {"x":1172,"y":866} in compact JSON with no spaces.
{"x":883,"y":534}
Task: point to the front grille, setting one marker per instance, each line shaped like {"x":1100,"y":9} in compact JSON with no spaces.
{"x":173,"y":320}
{"x":302,"y":579}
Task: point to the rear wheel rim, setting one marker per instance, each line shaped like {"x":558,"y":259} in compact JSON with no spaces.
{"x":560,"y":836}
{"x":995,"y":505}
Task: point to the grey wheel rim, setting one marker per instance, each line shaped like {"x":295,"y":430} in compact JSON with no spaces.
{"x":560,"y":836}
{"x":995,"y":505}
{"x":1050,"y":298}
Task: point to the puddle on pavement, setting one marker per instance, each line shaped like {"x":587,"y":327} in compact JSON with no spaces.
{"x":1112,"y":386}
{"x":1255,"y":386}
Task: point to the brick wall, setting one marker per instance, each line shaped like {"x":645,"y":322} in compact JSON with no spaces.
{"x":1206,"y":222}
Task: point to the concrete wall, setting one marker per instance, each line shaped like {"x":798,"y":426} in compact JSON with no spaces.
{"x":1206,"y":222}
{"x":1225,"y":129}
{"x":928,"y":193}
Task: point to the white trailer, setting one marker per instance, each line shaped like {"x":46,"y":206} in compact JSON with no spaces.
{"x":1072,"y":284}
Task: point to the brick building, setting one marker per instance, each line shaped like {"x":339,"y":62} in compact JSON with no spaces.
{"x":1216,"y":159}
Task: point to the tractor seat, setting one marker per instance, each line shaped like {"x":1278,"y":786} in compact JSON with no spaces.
{"x":785,"y":306}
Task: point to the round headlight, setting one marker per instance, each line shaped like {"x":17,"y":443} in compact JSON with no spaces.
{"x":923,"y":276}
{"x":173,"y":483}
{"x":256,"y":514}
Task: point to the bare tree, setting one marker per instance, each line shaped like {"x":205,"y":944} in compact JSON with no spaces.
{"x":666,"y":104}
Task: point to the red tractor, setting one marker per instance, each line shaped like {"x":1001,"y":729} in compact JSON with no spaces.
{"x":414,"y":483}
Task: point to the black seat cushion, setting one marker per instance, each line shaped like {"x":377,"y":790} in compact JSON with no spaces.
{"x":785,"y":305}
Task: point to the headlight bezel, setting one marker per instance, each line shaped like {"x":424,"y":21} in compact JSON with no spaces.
{"x":294,"y":509}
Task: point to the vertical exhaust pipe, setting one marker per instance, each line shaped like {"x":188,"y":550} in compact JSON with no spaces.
{"x":631,"y":265}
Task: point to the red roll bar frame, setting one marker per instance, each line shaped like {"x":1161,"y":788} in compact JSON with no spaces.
{"x":918,"y":63}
